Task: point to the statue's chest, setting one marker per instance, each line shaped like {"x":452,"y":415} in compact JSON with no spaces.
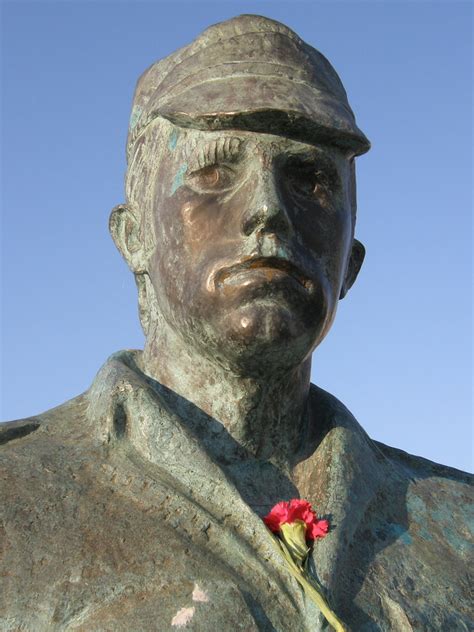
{"x":136,"y":564}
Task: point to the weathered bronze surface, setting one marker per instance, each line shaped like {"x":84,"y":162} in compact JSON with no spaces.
{"x":137,"y":505}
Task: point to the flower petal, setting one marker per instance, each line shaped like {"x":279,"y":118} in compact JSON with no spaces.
{"x":277,"y":516}
{"x":299,"y":510}
{"x":318,"y":529}
{"x":295,"y":510}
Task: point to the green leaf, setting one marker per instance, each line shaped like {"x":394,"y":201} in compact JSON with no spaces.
{"x":311,"y":588}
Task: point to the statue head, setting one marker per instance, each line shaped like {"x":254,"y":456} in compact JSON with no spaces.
{"x":240,"y":213}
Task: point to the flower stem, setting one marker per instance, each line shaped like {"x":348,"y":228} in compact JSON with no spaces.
{"x":310,"y":589}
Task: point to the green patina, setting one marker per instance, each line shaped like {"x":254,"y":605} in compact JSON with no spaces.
{"x":135,"y":116}
{"x":455,"y":534}
{"x":416,"y":505}
{"x":401,"y":533}
{"x":418,"y":510}
{"x":179,"y":178}
{"x":173,"y":140}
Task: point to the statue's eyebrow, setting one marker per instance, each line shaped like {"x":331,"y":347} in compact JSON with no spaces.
{"x":222,"y":149}
{"x":313,"y":154}
{"x":318,"y":157}
{"x":319,"y":160}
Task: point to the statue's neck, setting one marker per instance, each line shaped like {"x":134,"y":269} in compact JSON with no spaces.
{"x":263,"y":417}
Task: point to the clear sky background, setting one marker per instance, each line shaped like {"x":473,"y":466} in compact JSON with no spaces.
{"x":399,"y":354}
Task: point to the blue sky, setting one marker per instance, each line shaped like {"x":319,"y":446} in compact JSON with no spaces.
{"x":399,"y":354}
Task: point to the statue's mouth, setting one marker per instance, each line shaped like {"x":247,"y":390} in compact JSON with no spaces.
{"x":270,"y":268}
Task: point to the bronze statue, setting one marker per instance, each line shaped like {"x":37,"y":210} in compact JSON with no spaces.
{"x":138,"y":505}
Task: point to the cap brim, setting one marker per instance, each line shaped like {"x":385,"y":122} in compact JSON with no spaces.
{"x":271,"y":104}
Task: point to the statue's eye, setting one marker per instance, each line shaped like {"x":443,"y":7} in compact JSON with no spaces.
{"x":211,"y":178}
{"x":309,"y":180}
{"x":302,"y":179}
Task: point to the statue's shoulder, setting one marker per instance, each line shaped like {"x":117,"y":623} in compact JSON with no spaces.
{"x":13,"y":430}
{"x":332,"y":413}
{"x":418,"y":468}
{"x":67,"y":411}
{"x":73,"y":426}
{"x":42,"y":433}
{"x":41,"y":458}
{"x":438,"y":505}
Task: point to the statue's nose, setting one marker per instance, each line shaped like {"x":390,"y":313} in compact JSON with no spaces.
{"x":266,"y":210}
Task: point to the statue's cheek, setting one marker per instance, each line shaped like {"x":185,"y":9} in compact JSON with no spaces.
{"x":204,"y":217}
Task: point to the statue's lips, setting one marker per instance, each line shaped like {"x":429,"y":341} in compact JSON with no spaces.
{"x":266,"y":269}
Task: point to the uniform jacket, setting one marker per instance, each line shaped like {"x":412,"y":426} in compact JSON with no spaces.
{"x":97,"y":535}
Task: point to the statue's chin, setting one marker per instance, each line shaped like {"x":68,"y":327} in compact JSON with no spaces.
{"x":264,"y":336}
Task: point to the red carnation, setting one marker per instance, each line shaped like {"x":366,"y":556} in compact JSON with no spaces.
{"x":288,"y":512}
{"x":297,"y":526}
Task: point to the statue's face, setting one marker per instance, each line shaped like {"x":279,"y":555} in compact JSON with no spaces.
{"x":253,"y":235}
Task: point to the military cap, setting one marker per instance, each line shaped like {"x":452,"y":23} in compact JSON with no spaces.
{"x":251,"y":73}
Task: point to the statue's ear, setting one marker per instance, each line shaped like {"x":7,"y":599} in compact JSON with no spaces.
{"x":124,"y":226}
{"x":355,"y":263}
